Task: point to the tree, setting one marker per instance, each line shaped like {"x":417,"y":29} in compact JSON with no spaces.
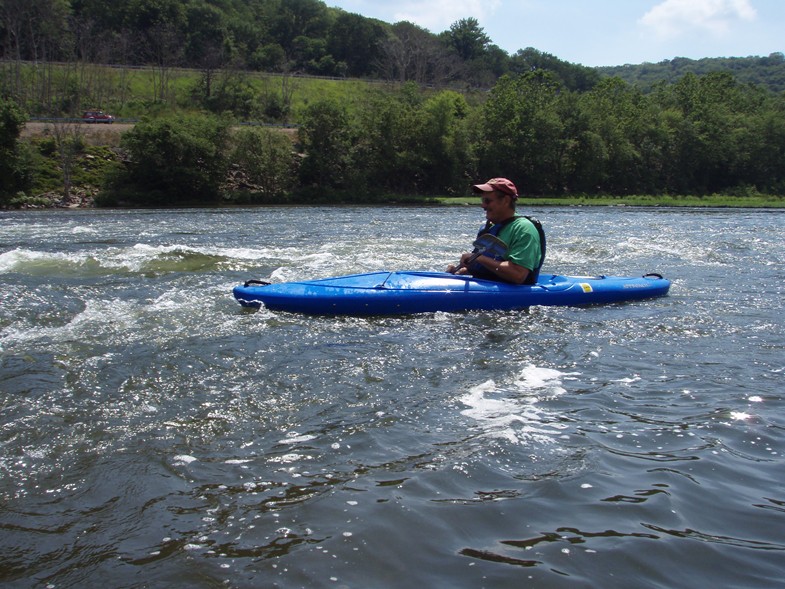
{"x":14,"y":174}
{"x":387,"y":137}
{"x":410,"y":52}
{"x":574,"y":77}
{"x":161,"y":25}
{"x":266,"y":157}
{"x":69,"y":140}
{"x":446,"y":153}
{"x":765,"y":147}
{"x":468,"y":39}
{"x":483,"y":63}
{"x":299,"y":18}
{"x":207,"y":43}
{"x":327,"y":145}
{"x":36,"y":31}
{"x":581,"y":161}
{"x":522,"y":131}
{"x":354,"y":40}
{"x":621,"y":117}
{"x":179,"y":160}
{"x":708,"y":116}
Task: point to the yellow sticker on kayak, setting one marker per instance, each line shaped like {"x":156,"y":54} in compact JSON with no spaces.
{"x":586,"y":287}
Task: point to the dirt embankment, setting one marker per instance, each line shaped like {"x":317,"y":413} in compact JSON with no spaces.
{"x":94,"y":133}
{"x":108,"y":135}
{"x":103,"y":133}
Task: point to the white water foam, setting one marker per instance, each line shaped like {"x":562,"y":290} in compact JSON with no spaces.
{"x":20,"y":259}
{"x":295,"y":438}
{"x":513,"y":413}
{"x":139,"y":258}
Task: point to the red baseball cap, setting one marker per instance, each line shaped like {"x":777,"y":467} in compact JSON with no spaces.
{"x":500,"y":184}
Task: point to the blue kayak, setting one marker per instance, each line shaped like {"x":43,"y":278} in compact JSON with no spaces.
{"x":400,"y":293}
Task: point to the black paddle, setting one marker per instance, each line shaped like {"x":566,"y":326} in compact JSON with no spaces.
{"x":488,"y":245}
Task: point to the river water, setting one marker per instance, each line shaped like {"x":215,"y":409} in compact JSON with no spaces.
{"x":156,"y":434}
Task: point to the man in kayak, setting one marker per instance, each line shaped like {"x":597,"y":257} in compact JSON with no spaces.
{"x":523,"y":239}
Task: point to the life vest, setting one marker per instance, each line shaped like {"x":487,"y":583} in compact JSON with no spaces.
{"x":480,"y":271}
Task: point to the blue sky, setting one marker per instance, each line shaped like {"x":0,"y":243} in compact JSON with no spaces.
{"x":603,"y":32}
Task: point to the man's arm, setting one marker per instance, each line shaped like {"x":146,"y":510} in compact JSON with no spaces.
{"x":505,"y":270}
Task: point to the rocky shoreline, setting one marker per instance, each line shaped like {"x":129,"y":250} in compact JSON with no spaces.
{"x":81,"y":197}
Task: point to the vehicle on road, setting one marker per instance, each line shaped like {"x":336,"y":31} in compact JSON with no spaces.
{"x":97,"y":116}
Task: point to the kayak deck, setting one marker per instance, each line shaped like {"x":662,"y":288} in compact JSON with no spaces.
{"x":395,"y":293}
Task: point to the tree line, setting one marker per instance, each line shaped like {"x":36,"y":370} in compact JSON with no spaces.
{"x":768,"y":71}
{"x":284,"y":36}
{"x":702,"y":135}
{"x":281,"y":36}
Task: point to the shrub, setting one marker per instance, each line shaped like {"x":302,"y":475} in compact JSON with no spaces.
{"x":267,"y":159}
{"x":171,"y":161}
{"x":15,"y":173}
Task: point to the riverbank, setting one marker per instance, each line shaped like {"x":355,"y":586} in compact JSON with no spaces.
{"x":82,"y":197}
{"x":759,"y":201}
{"x":103,"y":140}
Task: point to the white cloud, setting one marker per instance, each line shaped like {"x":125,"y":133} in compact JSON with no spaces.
{"x":438,"y":15}
{"x":672,"y":18}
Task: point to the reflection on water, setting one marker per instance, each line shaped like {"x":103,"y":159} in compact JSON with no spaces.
{"x":154,"y":433}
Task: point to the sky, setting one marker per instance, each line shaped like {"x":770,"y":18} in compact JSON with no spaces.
{"x":602,"y":32}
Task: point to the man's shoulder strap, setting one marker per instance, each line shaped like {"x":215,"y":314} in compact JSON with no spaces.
{"x":536,"y":222}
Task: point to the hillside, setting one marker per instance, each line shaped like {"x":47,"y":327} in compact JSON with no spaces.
{"x":764,"y":71}
{"x":306,"y":37}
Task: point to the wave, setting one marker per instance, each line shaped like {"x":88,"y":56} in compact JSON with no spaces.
{"x":137,"y":259}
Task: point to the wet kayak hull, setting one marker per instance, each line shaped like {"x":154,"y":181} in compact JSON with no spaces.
{"x":395,"y":293}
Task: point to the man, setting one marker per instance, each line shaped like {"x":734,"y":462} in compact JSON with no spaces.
{"x":521,"y":263}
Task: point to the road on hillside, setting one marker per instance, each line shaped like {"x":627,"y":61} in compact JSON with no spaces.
{"x":105,"y":131}
{"x":37,"y":128}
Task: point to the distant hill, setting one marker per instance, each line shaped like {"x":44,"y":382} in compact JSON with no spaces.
{"x":764,"y":71}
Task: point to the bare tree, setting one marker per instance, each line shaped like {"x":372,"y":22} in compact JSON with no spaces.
{"x":411,"y":53}
{"x":69,"y":140}
{"x":35,"y":31}
{"x":288,"y":85}
{"x":164,"y":50}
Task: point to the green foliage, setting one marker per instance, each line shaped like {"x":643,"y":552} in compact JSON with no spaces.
{"x":401,"y":143}
{"x":573,"y":77}
{"x":719,"y":134}
{"x":767,"y":71}
{"x":178,"y":160}
{"x":703,"y":135}
{"x":326,"y":138}
{"x":12,"y":119}
{"x":266,"y":158}
{"x":292,"y":36}
{"x":446,"y":152}
{"x":356,"y":42}
{"x":14,"y":170}
{"x":468,"y":39}
{"x":225,"y":91}
{"x":90,"y":165}
{"x":522,"y":131}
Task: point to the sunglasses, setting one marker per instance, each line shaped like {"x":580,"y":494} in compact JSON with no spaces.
{"x":486,"y":200}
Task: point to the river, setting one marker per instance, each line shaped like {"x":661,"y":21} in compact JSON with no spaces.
{"x":156,"y":434}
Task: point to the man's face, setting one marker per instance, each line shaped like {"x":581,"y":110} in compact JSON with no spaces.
{"x":497,"y":206}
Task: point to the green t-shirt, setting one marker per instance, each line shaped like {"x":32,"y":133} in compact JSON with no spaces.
{"x":523,"y":243}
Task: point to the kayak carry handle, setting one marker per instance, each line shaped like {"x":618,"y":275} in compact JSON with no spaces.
{"x":257,"y":282}
{"x":652,"y":275}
